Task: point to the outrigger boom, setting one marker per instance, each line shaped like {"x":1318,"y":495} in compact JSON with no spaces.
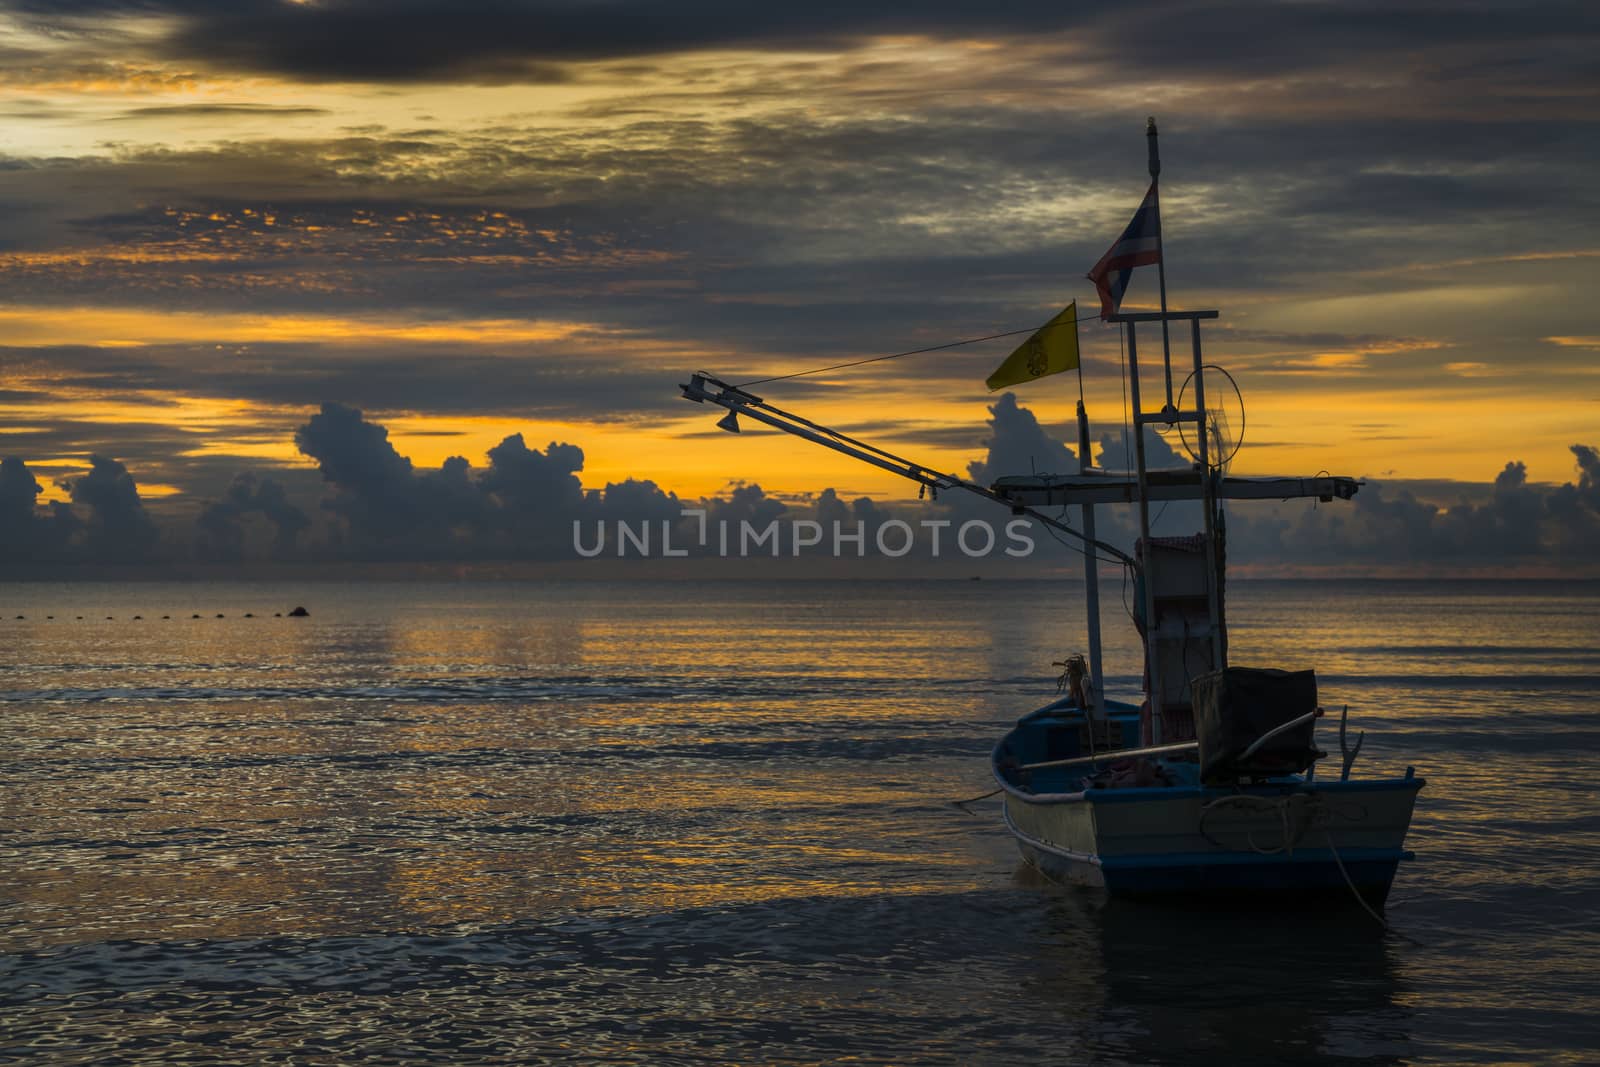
{"x":740,"y":402}
{"x":1022,"y":494}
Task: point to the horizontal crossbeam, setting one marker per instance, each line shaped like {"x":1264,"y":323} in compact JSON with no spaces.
{"x":1157,"y":316}
{"x":1107,"y":487}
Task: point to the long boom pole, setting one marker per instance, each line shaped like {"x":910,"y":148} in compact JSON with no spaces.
{"x":703,"y":388}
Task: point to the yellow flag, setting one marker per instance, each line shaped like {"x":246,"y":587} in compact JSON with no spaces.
{"x":1052,"y":349}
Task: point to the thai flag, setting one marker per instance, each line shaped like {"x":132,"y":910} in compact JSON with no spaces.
{"x":1139,"y":246}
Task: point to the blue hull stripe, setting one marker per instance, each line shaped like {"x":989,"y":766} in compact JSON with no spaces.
{"x":1373,"y":869}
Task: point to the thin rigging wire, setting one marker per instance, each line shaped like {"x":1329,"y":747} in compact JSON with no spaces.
{"x":913,"y":352}
{"x":1122,"y":353}
{"x":1082,"y":551}
{"x":1127,"y":568}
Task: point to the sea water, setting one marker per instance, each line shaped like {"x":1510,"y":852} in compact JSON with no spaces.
{"x":615,"y":822}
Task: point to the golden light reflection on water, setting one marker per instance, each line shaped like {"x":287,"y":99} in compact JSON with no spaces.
{"x":456,"y":811}
{"x":479,"y":753}
{"x":711,"y":797}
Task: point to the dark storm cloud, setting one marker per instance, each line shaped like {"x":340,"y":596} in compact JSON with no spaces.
{"x":524,"y":503}
{"x":18,"y":490}
{"x":1115,"y":452}
{"x":521,"y":506}
{"x":533,"y":380}
{"x":1588,"y":488}
{"x":221,"y":523}
{"x":1575,"y":507}
{"x":497,"y":41}
{"x":766,"y":234}
{"x":36,"y":111}
{"x":380,"y":506}
{"x":203,"y":110}
{"x":914,"y":434}
{"x":636,"y":500}
{"x":383,"y":503}
{"x":1017,"y":444}
{"x":79,"y":437}
{"x":1511,"y":523}
{"x":747,"y":504}
{"x":28,"y":535}
{"x":118,"y":528}
{"x":23,"y":396}
{"x":159,"y":451}
{"x":751,"y":212}
{"x":1254,"y":38}
{"x":532,"y":494}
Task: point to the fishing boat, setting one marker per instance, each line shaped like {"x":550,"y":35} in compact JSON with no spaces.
{"x":1207,"y":786}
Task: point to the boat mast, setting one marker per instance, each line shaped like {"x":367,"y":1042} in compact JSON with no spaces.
{"x":1161,"y":259}
{"x":1207,"y":493}
{"x":1168,"y":416}
{"x":1152,"y":665}
{"x":1026,"y":495}
{"x":1208,"y":504}
{"x":1091,"y":568}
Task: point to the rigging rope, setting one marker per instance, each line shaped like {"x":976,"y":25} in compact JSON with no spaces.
{"x":1077,"y":548}
{"x":1309,"y":813}
{"x":962,"y":804}
{"x":911,"y":352}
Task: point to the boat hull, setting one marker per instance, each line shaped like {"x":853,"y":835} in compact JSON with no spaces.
{"x":1293,"y":839}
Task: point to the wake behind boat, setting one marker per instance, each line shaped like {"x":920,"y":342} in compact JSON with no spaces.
{"x":1207,"y":787}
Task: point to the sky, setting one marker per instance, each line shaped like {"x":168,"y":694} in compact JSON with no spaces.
{"x":288,"y":279}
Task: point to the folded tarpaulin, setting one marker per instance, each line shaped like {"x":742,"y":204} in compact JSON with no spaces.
{"x":1236,"y":706}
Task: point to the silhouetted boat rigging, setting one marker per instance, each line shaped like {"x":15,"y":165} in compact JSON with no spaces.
{"x":1208,"y":785}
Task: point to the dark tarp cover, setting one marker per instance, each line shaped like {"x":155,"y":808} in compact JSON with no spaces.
{"x":1235,"y":706}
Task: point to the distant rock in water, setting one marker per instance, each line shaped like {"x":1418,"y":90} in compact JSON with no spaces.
{"x":249,"y":615}
{"x":299,"y":613}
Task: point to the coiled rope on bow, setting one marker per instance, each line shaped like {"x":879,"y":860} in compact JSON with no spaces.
{"x":1278,"y":805}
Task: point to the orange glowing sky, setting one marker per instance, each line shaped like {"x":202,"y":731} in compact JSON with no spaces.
{"x":541,"y":227}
